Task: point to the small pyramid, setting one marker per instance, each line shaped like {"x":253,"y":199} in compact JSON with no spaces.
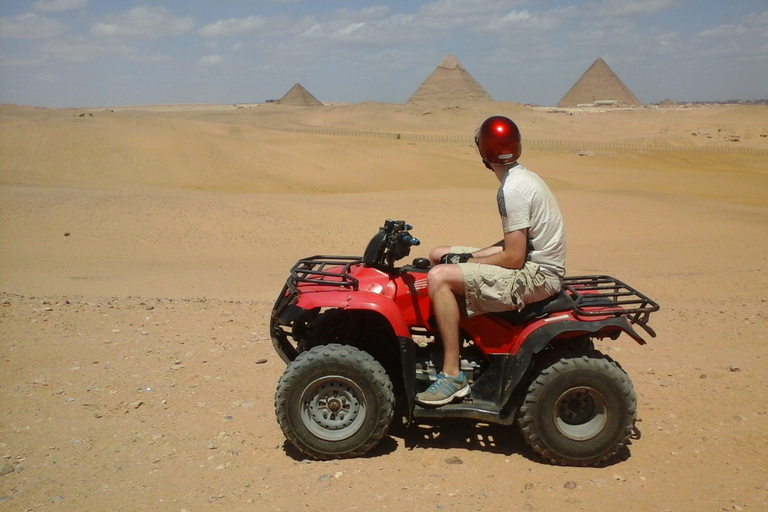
{"x":299,"y":96}
{"x":599,"y":85}
{"x":449,"y":83}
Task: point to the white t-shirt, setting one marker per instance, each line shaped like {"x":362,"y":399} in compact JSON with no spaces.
{"x":525,"y":202}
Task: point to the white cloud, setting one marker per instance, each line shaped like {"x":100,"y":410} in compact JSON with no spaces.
{"x":752,"y":32}
{"x":747,"y":41}
{"x":508,"y":20}
{"x":59,"y":5}
{"x":367,"y":14}
{"x":463,"y":8}
{"x":143,"y":22}
{"x":723,"y":31}
{"x":629,"y":7}
{"x":84,"y":50}
{"x":517,"y":16}
{"x":758,"y":19}
{"x":232,"y":27}
{"x":80,"y":49}
{"x":348,"y":30}
{"x":23,"y":62}
{"x":211,"y":60}
{"x":30,"y":26}
{"x":374,"y":27}
{"x":154,"y":57}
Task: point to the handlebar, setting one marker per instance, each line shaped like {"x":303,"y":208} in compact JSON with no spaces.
{"x":391,"y":243}
{"x":408,"y":239}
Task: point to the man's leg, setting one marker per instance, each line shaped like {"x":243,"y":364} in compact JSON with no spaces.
{"x":445,"y":284}
{"x":437,"y":253}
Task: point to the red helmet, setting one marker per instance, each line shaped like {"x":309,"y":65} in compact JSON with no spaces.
{"x":498,"y":141}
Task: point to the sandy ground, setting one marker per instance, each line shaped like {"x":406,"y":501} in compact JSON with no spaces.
{"x":141,"y":250}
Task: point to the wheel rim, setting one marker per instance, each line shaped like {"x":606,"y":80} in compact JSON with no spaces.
{"x":580,"y":413}
{"x":333,"y":408}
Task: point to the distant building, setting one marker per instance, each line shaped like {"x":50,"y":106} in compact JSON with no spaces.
{"x":300,"y":97}
{"x":599,"y":86}
{"x":449,"y":83}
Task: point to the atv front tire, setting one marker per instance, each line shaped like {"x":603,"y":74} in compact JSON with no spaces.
{"x":579,"y":411}
{"x":334,"y":401}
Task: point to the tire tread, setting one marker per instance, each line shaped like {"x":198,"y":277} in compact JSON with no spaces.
{"x":324,"y":354}
{"x":595,"y":360}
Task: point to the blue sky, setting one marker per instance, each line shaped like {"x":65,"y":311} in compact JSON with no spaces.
{"x":90,"y":53}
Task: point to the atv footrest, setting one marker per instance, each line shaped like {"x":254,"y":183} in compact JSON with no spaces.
{"x":473,"y":410}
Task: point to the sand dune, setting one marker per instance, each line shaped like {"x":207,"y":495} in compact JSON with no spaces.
{"x":247,"y":150}
{"x":140,"y":250}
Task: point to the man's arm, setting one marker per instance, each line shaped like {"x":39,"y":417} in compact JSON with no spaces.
{"x":488,"y":251}
{"x":509,"y":253}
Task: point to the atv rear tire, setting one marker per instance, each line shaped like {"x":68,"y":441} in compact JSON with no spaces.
{"x":334,"y":401}
{"x":579,"y":411}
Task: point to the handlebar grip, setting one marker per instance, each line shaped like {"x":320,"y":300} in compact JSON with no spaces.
{"x":410,"y":240}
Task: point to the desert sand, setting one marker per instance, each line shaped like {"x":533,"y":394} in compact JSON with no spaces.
{"x":141,"y":249}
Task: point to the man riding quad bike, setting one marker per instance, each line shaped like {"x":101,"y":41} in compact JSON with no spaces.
{"x":357,"y":337}
{"x":495,"y":335}
{"x":527,"y":265}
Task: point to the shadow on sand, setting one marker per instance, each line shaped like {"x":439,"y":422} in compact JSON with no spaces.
{"x":462,"y":435}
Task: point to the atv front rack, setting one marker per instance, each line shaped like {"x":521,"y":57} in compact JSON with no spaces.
{"x":324,"y":271}
{"x":601,"y":295}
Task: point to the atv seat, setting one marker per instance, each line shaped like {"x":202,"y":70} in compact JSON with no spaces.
{"x":559,"y":302}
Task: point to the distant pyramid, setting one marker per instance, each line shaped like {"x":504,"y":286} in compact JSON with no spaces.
{"x":299,"y":96}
{"x":599,"y":85}
{"x":449,"y":83}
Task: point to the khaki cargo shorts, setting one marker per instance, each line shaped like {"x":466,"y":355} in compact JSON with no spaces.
{"x":490,"y":288}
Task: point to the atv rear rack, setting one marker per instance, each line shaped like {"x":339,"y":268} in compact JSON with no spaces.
{"x":315,"y":270}
{"x":601,"y":295}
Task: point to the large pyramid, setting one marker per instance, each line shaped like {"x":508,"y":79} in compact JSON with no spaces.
{"x":449,"y":83}
{"x":599,"y":85}
{"x":299,"y":96}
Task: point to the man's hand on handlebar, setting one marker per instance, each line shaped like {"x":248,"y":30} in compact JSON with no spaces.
{"x":452,"y":257}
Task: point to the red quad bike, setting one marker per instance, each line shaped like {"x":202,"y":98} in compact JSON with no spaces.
{"x":357,"y":337}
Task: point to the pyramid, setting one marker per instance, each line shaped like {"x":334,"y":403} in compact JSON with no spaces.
{"x":449,"y":83}
{"x":599,"y":85}
{"x":299,"y":96}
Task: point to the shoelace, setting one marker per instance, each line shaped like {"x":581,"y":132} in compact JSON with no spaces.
{"x":441,"y":380}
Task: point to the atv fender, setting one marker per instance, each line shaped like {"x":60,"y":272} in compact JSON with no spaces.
{"x":536,"y":341}
{"x":354,"y":300}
